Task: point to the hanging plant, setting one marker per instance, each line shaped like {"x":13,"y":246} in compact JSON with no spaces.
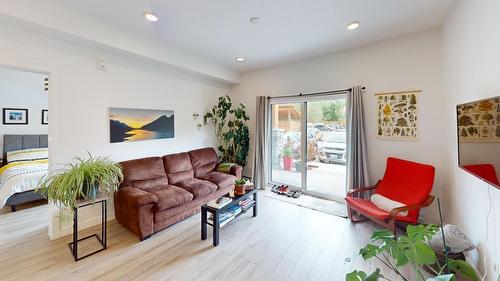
{"x":230,"y":129}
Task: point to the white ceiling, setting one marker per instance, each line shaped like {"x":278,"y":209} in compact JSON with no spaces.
{"x":289,"y":29}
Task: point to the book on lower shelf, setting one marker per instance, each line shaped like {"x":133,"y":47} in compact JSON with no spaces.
{"x":224,"y":218}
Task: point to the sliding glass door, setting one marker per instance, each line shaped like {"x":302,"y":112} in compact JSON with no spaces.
{"x":310,"y":130}
{"x":286,"y":139}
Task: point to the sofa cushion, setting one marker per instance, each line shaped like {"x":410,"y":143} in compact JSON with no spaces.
{"x":142,"y":169}
{"x":203,"y":160}
{"x":178,"y":167}
{"x":151,"y":183}
{"x":222,"y":180}
{"x":197,"y":187}
{"x":170,"y":196}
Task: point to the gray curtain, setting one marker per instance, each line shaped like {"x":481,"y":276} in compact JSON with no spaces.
{"x":357,"y":168}
{"x":259,"y":165}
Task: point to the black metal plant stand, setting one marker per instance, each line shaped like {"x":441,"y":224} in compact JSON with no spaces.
{"x":73,"y":246}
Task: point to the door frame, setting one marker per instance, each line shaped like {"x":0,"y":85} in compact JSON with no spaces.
{"x":303,"y":100}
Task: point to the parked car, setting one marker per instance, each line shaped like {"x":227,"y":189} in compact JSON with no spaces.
{"x":323,"y":128}
{"x":333,"y":144}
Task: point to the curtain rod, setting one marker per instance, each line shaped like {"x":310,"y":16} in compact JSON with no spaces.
{"x":317,"y":93}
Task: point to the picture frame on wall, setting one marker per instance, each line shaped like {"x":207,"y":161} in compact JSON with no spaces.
{"x":15,"y":116}
{"x":45,"y":117}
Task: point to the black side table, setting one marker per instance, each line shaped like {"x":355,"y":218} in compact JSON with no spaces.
{"x":205,"y":209}
{"x":73,"y":246}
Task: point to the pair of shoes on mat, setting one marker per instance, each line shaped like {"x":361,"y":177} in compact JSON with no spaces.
{"x":294,"y":194}
{"x":282,"y":189}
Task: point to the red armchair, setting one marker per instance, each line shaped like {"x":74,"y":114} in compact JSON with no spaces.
{"x":407,"y":182}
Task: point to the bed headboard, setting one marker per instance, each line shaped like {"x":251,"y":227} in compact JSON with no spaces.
{"x":16,"y":142}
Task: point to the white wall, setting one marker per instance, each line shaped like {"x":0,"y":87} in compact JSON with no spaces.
{"x":21,"y":89}
{"x":405,"y":63}
{"x":472,"y":65}
{"x":82,"y":95}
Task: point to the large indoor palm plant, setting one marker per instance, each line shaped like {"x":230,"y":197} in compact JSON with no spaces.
{"x":82,"y":179}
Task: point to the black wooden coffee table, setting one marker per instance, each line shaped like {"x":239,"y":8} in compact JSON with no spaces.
{"x":205,"y":209}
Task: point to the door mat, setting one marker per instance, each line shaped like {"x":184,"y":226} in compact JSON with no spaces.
{"x":310,"y":202}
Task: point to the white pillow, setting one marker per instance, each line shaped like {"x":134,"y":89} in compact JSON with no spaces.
{"x":27,"y":155}
{"x":387,"y":204}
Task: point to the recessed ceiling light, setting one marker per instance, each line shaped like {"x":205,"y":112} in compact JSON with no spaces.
{"x":240,"y":59}
{"x":150,"y":17}
{"x":353,"y":25}
{"x":254,"y":20}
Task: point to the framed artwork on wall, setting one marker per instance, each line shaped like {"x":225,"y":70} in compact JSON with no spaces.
{"x":15,"y":116}
{"x":45,"y":117}
{"x":130,"y":124}
{"x":479,"y":121}
{"x":397,"y":115}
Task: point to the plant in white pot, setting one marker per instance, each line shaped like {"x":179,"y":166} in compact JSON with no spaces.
{"x":82,"y":179}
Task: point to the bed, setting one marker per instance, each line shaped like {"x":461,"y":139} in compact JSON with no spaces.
{"x":18,"y":180}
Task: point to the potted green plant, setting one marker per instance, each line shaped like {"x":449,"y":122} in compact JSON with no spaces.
{"x":239,"y":186}
{"x":82,"y":179}
{"x":414,"y":251}
{"x":287,"y":155}
{"x":231,"y":130}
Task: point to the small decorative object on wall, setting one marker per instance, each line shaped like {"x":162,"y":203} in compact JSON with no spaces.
{"x":195,"y":116}
{"x":128,"y":124}
{"x":397,"y":115}
{"x":15,"y":116}
{"x":46,"y":85}
{"x":45,"y":117}
{"x":479,"y":121}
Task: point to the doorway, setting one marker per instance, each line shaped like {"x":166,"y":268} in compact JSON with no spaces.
{"x":310,"y":130}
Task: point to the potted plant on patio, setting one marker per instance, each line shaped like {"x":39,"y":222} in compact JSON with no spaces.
{"x":287,"y":155}
{"x":82,"y":179}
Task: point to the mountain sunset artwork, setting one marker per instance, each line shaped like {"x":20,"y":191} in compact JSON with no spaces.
{"x":128,"y":124}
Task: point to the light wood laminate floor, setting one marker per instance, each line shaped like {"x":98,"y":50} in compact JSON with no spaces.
{"x":285,"y":242}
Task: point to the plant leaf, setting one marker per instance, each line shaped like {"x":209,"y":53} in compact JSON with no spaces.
{"x":382,"y":235}
{"x":369,"y":251}
{"x":363,"y":276}
{"x":464,"y":268}
{"x":424,"y":254}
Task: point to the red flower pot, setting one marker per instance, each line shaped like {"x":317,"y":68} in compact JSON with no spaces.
{"x":287,"y":163}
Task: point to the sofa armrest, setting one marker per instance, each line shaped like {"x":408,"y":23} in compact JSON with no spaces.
{"x":135,"y":197}
{"x":235,"y":170}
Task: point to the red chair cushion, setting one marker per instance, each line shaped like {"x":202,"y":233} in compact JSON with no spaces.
{"x":367,"y":208}
{"x":407,"y":182}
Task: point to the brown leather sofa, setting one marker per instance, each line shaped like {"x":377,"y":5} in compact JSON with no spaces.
{"x":157,"y":192}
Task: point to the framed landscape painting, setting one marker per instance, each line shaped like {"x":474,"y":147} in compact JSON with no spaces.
{"x":15,"y":116}
{"x":128,"y":124}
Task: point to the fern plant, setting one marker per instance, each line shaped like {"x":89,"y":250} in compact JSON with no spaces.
{"x":81,"y":180}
